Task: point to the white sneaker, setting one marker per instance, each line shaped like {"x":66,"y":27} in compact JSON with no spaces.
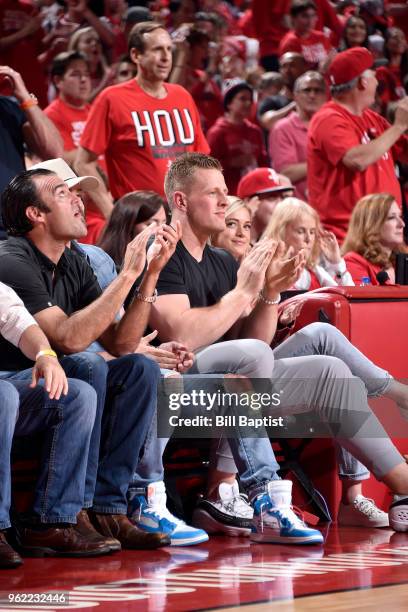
{"x":231,"y":513}
{"x":275,"y":521}
{"x":398,"y":513}
{"x":362,"y":513}
{"x":148,"y":511}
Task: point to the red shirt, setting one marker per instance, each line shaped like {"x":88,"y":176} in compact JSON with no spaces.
{"x":359,"y":268}
{"x":70,"y":123}
{"x":22,"y":56}
{"x":208,"y":98}
{"x":333,"y":188}
{"x":229,"y":140}
{"x":269,"y":24}
{"x":140,"y":135}
{"x":313,"y":47}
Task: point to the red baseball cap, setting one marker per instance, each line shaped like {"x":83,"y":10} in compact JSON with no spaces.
{"x":349,"y":64}
{"x":262,"y":180}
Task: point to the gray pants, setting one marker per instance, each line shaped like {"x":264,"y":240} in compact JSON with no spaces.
{"x":337,"y":392}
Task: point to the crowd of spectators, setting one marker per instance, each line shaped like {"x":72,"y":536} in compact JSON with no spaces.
{"x":169,"y":168}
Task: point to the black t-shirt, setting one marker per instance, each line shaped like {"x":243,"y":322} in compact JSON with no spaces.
{"x":12,"y":120}
{"x":71,"y":285}
{"x":205,"y":282}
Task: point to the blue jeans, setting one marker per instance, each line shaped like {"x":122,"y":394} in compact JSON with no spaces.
{"x":257,"y":462}
{"x":67,"y":425}
{"x":126,"y":389}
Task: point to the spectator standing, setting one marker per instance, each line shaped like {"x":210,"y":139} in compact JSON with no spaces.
{"x":355,"y":33}
{"x":194,"y":71}
{"x":143,"y":123}
{"x":22,"y":122}
{"x":392,"y":78}
{"x":21,"y":37}
{"x":304,"y":38}
{"x":69,"y":112}
{"x":270,"y":25}
{"x":275,"y":107}
{"x":351,"y":148}
{"x":88,"y":42}
{"x":288,"y":137}
{"x":234,"y":140}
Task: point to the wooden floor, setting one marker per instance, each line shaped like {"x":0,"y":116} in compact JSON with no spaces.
{"x":358,"y":569}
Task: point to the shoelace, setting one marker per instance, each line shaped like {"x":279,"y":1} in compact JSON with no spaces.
{"x":236,"y":505}
{"x":288,"y":513}
{"x":367,"y":507}
{"x":160,"y":512}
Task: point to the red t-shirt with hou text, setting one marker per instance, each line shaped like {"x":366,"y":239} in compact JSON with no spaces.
{"x":313,"y":47}
{"x":141,"y":135}
{"x":229,"y":141}
{"x":70,"y":123}
{"x":23,"y":55}
{"x":333,"y":188}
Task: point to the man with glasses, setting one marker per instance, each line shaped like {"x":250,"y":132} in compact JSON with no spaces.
{"x":288,"y":139}
{"x":351,"y":149}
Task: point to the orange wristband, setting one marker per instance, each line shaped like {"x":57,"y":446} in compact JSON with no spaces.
{"x":31,"y":101}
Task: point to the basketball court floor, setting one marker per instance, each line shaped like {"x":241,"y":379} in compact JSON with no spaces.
{"x":356,"y":569}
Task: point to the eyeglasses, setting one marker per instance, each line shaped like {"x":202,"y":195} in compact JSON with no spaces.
{"x":309,"y":90}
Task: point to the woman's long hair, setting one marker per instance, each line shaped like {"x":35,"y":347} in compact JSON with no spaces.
{"x":363,"y":235}
{"x":133,"y":208}
{"x":289,"y":210}
{"x":344,"y":44}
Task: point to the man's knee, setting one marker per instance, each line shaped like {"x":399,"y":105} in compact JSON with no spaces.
{"x":257,"y":356}
{"x":9,"y":401}
{"x":87,"y":366}
{"x":321,"y":331}
{"x":82,"y":400}
{"x":136,"y":365}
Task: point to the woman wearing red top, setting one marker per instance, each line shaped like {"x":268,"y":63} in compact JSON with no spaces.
{"x":234,"y":140}
{"x":374,"y":236}
{"x":391,"y":78}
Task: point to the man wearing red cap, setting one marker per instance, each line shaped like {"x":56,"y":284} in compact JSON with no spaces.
{"x":262,"y":189}
{"x":351,"y":149}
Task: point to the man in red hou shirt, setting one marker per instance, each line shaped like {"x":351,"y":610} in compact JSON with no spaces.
{"x":143,"y":124}
{"x":351,"y":148}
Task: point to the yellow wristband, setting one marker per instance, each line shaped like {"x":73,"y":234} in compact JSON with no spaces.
{"x":48,"y":352}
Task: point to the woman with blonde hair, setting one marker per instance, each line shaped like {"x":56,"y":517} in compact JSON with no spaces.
{"x":297,"y":224}
{"x":236,"y":238}
{"x":87,"y":41}
{"x":375,"y":235}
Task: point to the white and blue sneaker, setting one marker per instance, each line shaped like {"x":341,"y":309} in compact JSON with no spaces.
{"x":275,"y":521}
{"x":148,"y":511}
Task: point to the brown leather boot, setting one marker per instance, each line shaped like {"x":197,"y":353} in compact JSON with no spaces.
{"x":8,"y":556}
{"x":59,"y":542}
{"x":85,"y":527}
{"x":130,"y":536}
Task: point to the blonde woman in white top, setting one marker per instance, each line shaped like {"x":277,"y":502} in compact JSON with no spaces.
{"x":297,"y":224}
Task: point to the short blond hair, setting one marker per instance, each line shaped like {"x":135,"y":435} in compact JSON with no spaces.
{"x":288,"y":211}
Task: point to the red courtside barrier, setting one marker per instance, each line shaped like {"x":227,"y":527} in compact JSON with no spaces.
{"x":375,"y":320}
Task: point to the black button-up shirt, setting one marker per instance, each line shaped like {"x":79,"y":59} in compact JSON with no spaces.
{"x":70,"y":284}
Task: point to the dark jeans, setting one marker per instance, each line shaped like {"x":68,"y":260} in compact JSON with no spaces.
{"x":67,"y":425}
